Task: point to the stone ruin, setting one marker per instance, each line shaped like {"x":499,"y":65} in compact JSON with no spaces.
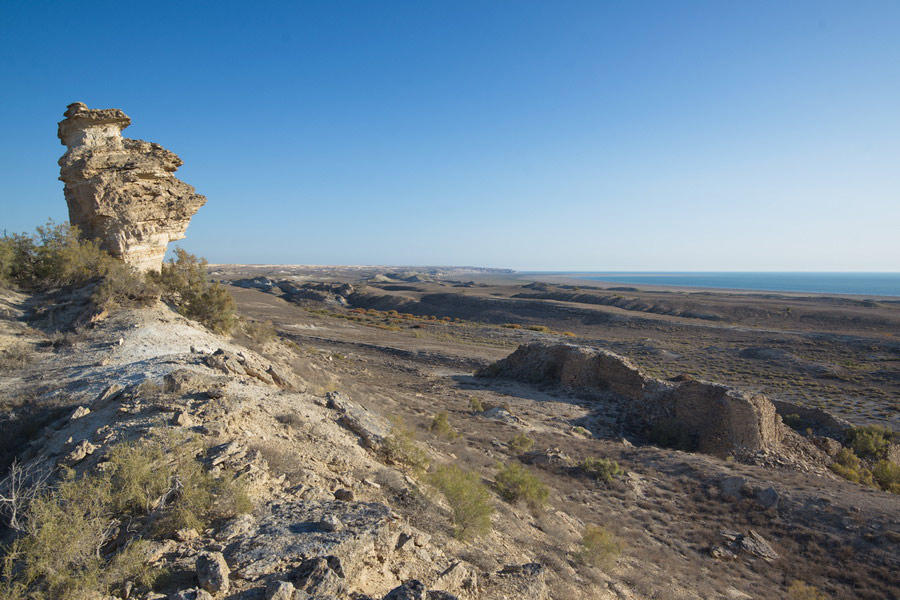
{"x":721,"y":420}
{"x":122,"y":192}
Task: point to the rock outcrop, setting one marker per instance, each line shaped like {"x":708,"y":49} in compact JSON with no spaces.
{"x":121,"y":192}
{"x":718,"y":419}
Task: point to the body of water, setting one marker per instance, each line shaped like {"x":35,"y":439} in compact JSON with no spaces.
{"x":866,"y":284}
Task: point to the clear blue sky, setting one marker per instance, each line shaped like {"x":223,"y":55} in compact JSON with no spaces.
{"x":534,"y":135}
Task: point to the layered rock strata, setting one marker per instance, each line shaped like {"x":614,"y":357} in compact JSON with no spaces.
{"x":719,"y":420}
{"x":122,"y":192}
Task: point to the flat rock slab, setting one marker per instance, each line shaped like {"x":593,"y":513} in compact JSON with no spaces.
{"x":294,"y":532}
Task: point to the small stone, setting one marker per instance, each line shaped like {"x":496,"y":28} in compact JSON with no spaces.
{"x":182,"y":419}
{"x":280,"y":590}
{"x":343,"y":494}
{"x":81,"y":411}
{"x":213,"y":572}
{"x":330,"y":523}
{"x":186,"y":534}
{"x":191,"y":594}
{"x":82,"y":450}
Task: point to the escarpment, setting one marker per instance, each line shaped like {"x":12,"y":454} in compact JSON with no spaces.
{"x":716,"y":419}
{"x":122,"y":192}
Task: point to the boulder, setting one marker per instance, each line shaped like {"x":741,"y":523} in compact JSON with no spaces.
{"x":213,"y":573}
{"x":121,"y":192}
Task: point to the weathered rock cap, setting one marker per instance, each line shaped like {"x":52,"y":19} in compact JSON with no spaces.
{"x":79,"y":119}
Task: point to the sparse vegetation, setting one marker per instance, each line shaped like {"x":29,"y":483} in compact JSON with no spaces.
{"x":539,"y":328}
{"x":469,"y":500}
{"x":440,"y":426}
{"x":599,"y":547}
{"x":847,"y":465}
{"x":62,"y":554}
{"x":185,"y":284}
{"x":259,"y":332}
{"x":887,"y":475}
{"x":400,"y":448}
{"x":871,"y":441}
{"x":583,"y":432}
{"x":514,"y":483}
{"x":521,"y":443}
{"x":16,"y":356}
{"x":475,"y":404}
{"x":603,"y":469}
{"x":799,"y":590}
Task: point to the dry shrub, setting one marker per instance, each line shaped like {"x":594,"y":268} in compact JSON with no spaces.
{"x":514,"y":482}
{"x":440,"y":426}
{"x":400,"y":448}
{"x":521,"y":443}
{"x":185,"y":283}
{"x":599,"y":547}
{"x":799,"y":590}
{"x":156,"y":482}
{"x":603,"y":469}
{"x":469,"y":500}
{"x":16,"y":356}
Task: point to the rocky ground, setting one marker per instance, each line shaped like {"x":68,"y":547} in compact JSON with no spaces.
{"x":302,"y":415}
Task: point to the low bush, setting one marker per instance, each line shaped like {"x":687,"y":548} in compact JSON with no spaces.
{"x":799,"y":590}
{"x":514,"y":483}
{"x":122,"y":287}
{"x":847,"y":465}
{"x":400,"y":448}
{"x":63,"y":552}
{"x":15,"y":356}
{"x":185,"y":284}
{"x":521,"y":443}
{"x":440,"y":426}
{"x":603,"y":469}
{"x":54,"y":256}
{"x":871,"y":441}
{"x":539,"y":328}
{"x":475,"y":404}
{"x":887,"y":474}
{"x":599,"y":547}
{"x":469,"y":500}
{"x":259,"y":332}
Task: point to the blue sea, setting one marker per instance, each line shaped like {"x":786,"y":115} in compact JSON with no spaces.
{"x":866,"y":284}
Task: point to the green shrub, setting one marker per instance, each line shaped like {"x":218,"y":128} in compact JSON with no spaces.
{"x":53,"y":256}
{"x":793,"y":421}
{"x":469,"y":500}
{"x":400,"y":448}
{"x":539,"y":328}
{"x":514,"y":482}
{"x":847,"y":465}
{"x":871,"y":441}
{"x":475,"y":404}
{"x":599,"y":547}
{"x":521,"y":443}
{"x":603,"y":469}
{"x":123,"y":287}
{"x":887,"y":474}
{"x":440,"y":425}
{"x":185,"y":284}
{"x":799,"y":590}
{"x":155,"y":481}
{"x":259,"y":332}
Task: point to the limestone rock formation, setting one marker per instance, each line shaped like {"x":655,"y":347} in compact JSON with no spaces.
{"x":122,"y":192}
{"x":720,"y":420}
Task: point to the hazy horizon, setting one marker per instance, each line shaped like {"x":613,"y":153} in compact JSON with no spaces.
{"x":646,"y":136}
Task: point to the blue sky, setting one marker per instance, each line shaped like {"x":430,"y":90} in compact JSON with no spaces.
{"x":533,"y":135}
